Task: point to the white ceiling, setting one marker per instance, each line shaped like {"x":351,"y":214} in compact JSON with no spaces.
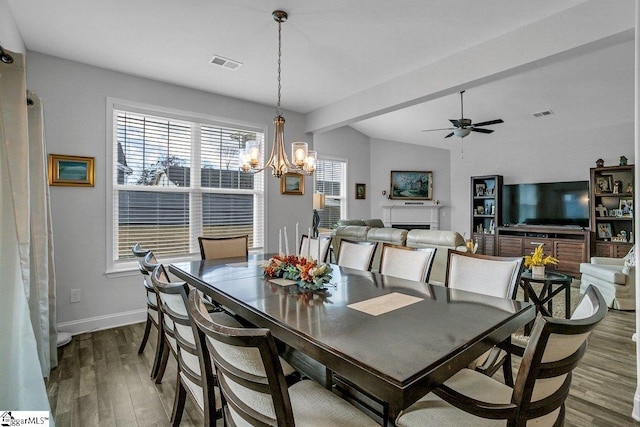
{"x":335,"y":50}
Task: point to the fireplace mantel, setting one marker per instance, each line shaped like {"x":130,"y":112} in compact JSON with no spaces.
{"x":411,"y":214}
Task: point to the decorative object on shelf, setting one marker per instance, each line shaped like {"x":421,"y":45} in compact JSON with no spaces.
{"x":626,"y":207}
{"x":623,"y":161}
{"x":604,"y":184}
{"x":599,"y":163}
{"x":630,"y":188}
{"x":361,"y":191}
{"x":480,"y":188}
{"x":292,"y":183}
{"x":307,"y":273}
{"x":480,"y":210}
{"x":303,"y":159}
{"x":604,"y":230}
{"x":601,"y":210}
{"x":537,"y":261}
{"x":71,"y":171}
{"x":411,"y":185}
{"x":318,"y":205}
{"x":617,"y":187}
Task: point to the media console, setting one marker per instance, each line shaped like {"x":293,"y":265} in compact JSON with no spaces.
{"x":570,"y":245}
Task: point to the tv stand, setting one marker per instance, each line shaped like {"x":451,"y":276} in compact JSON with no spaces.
{"x":569,"y":244}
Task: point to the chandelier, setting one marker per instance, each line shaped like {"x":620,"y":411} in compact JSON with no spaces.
{"x":303,"y":159}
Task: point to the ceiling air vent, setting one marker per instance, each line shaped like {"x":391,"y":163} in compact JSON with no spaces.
{"x":542,"y":113}
{"x":227,"y":63}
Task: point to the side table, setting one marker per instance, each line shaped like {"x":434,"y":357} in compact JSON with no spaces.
{"x":550,"y":279}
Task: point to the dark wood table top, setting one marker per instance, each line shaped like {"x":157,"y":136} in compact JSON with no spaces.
{"x":398,"y":356}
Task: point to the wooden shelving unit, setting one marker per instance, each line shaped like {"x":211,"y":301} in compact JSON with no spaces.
{"x":611,"y":191}
{"x":486,"y":208}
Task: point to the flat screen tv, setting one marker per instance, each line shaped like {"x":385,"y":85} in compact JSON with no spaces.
{"x":549,"y":203}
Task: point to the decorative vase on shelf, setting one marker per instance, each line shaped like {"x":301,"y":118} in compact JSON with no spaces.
{"x":537,"y":271}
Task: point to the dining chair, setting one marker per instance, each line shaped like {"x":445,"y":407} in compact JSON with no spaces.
{"x":153,"y":312}
{"x":223,"y":247}
{"x":484,"y":274}
{"x":253,"y":387}
{"x":542,"y":383}
{"x":406,"y":263}
{"x":310,"y":247}
{"x":488,"y":275}
{"x":191,"y":380}
{"x":356,"y":255}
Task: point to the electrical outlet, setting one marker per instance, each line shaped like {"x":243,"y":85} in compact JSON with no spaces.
{"x":75,"y":295}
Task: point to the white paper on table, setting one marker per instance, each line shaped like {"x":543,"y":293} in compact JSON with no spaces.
{"x":283,"y":282}
{"x":385,"y":303}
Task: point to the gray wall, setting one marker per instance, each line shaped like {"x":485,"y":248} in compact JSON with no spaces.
{"x":74,"y":98}
{"x":388,"y":155}
{"x":534,"y":158}
{"x":347,"y":143}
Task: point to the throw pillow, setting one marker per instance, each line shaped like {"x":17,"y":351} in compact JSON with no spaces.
{"x":630,"y":257}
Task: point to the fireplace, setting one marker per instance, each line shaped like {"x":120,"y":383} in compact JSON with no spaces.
{"x":412,"y":226}
{"x":411,"y":216}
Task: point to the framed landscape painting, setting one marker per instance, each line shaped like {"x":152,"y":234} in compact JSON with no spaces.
{"x":411,"y":185}
{"x":292,"y":183}
{"x":72,"y":171}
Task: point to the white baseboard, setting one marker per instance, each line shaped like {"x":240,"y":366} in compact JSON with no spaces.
{"x":98,"y":323}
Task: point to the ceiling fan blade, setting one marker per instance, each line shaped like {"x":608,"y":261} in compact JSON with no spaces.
{"x":432,"y":130}
{"x":482,"y":130}
{"x":456,"y":123}
{"x":451,"y":134}
{"x":490,"y":122}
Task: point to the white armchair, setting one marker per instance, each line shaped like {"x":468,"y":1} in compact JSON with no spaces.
{"x":615,"y":281}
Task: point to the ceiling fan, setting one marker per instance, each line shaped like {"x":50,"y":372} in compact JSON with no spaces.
{"x":463,"y":127}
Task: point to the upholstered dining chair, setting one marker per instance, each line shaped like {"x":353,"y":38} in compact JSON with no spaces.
{"x":309,"y":247}
{"x":484,"y":274}
{"x":488,"y":275}
{"x":191,"y":378}
{"x":153,"y":312}
{"x":406,"y":263}
{"x":224,"y":247}
{"x":542,"y":383}
{"x":356,"y":255}
{"x":253,"y":387}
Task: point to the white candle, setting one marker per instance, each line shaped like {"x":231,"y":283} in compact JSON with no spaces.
{"x":318,"y":248}
{"x":309,"y":244}
{"x":286,"y":242}
{"x":297,"y":241}
{"x":280,"y":242}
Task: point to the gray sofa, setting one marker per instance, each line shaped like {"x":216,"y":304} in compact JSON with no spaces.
{"x":358,"y":230}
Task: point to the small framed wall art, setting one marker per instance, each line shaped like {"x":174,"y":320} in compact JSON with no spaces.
{"x":361,"y":191}
{"x":71,"y":171}
{"x":292,"y":183}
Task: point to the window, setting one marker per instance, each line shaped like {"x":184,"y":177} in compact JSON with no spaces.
{"x":176,"y":178}
{"x":330,"y":179}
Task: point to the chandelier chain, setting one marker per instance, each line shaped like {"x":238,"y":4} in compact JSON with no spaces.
{"x":278,"y":111}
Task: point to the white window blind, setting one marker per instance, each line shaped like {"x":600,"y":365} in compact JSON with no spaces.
{"x":175,"y":180}
{"x":330,"y":179}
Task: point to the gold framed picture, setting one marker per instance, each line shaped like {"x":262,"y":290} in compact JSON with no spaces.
{"x":292,"y":183}
{"x":72,"y":171}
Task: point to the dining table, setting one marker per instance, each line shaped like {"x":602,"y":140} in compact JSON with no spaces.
{"x":395,"y":339}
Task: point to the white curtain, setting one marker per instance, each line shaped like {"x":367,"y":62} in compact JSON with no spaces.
{"x":27,"y":289}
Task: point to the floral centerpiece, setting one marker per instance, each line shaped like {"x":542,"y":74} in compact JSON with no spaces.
{"x":538,"y":261}
{"x":306,"y":272}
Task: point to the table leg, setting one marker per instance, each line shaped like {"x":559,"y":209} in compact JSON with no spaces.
{"x":567,"y":301}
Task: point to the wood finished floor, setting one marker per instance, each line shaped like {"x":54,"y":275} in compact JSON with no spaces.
{"x":103,"y":381}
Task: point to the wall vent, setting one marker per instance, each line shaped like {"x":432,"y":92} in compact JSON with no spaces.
{"x":227,"y":63}
{"x":542,"y":113}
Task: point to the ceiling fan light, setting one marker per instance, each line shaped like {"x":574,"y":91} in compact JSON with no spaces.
{"x":461,"y":132}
